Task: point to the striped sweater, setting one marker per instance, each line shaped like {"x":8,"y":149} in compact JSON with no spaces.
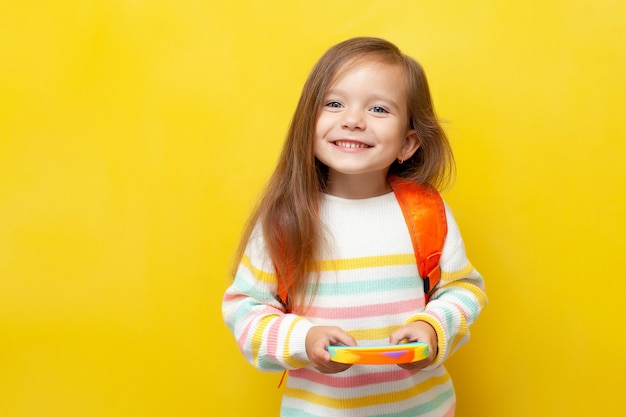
{"x":369,"y":286}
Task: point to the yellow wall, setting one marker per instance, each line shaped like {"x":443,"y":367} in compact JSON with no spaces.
{"x":135,"y":136}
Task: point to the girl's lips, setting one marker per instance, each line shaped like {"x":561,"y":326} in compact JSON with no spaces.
{"x":350,"y":144}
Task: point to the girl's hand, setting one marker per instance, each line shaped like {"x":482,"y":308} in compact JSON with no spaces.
{"x":316,"y":343}
{"x":418,"y":331}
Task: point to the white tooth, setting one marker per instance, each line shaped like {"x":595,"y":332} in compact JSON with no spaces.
{"x":351,"y":145}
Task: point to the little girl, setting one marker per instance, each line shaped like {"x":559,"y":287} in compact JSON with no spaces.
{"x":329,"y":231}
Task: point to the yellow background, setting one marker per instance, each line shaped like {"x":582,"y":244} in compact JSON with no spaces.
{"x":135,"y":136}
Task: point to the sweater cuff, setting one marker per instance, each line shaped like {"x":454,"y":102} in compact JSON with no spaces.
{"x":297,"y":345}
{"x":442,"y":346}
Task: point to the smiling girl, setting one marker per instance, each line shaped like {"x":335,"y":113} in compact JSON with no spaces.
{"x":330,"y":233}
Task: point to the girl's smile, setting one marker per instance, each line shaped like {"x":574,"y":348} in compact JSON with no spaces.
{"x":349,"y":144}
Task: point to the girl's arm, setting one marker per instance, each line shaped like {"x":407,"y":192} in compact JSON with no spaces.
{"x":270,"y":339}
{"x":457,"y":300}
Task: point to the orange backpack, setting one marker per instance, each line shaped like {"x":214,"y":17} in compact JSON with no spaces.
{"x":425,"y":217}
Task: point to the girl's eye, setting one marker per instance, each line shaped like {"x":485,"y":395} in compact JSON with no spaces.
{"x":334,"y":104}
{"x":379,"y":109}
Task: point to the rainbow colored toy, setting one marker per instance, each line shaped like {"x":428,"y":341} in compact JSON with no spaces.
{"x":379,"y":355}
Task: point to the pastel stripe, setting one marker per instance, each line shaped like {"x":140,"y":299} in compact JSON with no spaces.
{"x":454,"y":275}
{"x":272,"y":342}
{"x":351,"y":381}
{"x":291,"y":361}
{"x":257,"y":338}
{"x":426,"y":407}
{"x":369,"y":400}
{"x":258,"y":274}
{"x":365,"y":311}
{"x":477,"y":293}
{"x":366,"y":287}
{"x":243,"y":338}
{"x":429,"y":406}
{"x":459,"y":338}
{"x":366,"y":262}
{"x":380,"y":333}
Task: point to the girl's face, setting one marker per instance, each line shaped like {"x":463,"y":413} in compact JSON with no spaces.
{"x":363,"y":128}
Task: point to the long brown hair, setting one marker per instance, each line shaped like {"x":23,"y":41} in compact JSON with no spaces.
{"x":288,"y":209}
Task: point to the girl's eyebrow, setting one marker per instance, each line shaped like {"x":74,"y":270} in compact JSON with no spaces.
{"x":373,"y":96}
{"x":390,"y":101}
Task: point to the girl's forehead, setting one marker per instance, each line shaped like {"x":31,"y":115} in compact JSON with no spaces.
{"x":359,"y":63}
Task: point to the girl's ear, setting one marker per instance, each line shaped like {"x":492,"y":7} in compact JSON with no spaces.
{"x":410,"y":144}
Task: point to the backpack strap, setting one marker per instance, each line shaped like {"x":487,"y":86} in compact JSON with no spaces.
{"x":282,"y":293}
{"x":425,"y":215}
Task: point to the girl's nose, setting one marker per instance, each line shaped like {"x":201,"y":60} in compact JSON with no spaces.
{"x":353,"y":119}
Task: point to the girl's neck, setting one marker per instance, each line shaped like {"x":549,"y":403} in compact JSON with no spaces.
{"x":357,"y":186}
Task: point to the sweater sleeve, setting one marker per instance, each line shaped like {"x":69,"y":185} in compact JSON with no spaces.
{"x":269,"y":338}
{"x":457,"y":300}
